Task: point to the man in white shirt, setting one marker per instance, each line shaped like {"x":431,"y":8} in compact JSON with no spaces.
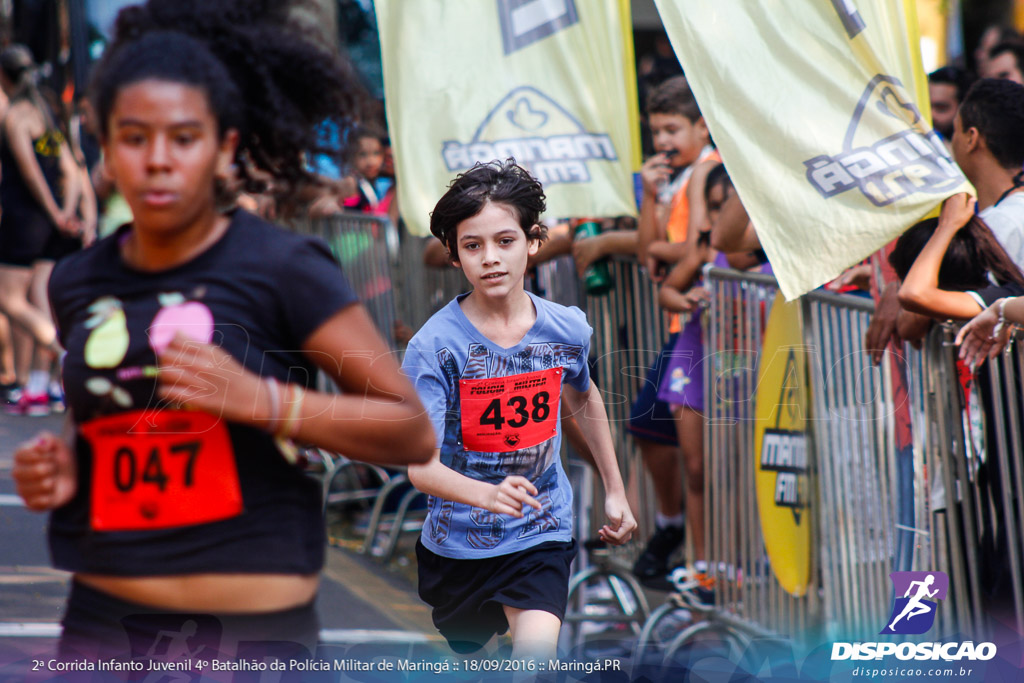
{"x":988,"y":144}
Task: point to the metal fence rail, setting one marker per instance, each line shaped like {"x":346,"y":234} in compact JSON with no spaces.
{"x":852,"y":424}
{"x":734,"y":330}
{"x":877,"y":510}
{"x":629,"y":331}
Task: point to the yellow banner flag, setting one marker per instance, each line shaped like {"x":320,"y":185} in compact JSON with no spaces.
{"x":549,"y":82}
{"x":813,"y":106}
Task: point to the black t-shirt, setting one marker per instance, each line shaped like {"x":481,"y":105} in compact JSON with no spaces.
{"x":258,"y":293}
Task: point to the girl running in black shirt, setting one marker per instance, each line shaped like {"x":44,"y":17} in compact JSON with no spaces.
{"x":193,"y":337}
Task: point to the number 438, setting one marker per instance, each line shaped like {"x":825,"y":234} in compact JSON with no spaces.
{"x":541,"y":409}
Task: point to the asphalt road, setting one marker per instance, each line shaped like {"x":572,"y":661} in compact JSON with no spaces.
{"x":360,"y":600}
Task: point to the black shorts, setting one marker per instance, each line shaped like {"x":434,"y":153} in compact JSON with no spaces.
{"x":651,"y":418}
{"x":467,"y":596}
{"x":24,"y":236}
{"x":60,"y":245}
{"x":100,"y":626}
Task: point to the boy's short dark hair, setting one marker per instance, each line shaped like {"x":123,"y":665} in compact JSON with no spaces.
{"x":674,"y":97}
{"x":996,"y":108}
{"x":955,"y":76}
{"x":498,"y":182}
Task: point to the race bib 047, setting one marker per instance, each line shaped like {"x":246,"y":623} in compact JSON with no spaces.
{"x":161,"y":469}
{"x":504,"y":414}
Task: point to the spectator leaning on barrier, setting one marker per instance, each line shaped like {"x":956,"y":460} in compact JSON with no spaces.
{"x":682,"y":143}
{"x":951,"y":267}
{"x":989,"y":147}
{"x":683,"y":387}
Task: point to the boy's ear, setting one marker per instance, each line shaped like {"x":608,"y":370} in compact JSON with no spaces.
{"x":702,"y":127}
{"x":533,"y":239}
{"x":974,"y":139}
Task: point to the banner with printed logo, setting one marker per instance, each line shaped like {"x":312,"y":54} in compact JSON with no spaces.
{"x":820,"y":112}
{"x":548,"y":82}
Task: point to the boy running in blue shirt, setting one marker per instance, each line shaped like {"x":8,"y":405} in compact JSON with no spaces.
{"x":491,"y":368}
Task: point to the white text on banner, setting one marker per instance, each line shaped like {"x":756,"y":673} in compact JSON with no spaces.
{"x":549,"y":82}
{"x":813,"y":107}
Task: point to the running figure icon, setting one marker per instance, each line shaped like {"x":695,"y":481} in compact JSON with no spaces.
{"x":914,"y":606}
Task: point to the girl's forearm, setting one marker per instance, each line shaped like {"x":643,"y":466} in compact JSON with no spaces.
{"x":362,"y":428}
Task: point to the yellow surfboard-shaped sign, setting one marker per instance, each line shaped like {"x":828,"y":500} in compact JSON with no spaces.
{"x":782,"y":450}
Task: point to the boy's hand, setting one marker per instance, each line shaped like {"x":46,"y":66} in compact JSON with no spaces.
{"x":44,"y":472}
{"x":508,"y":497}
{"x":882,"y":329}
{"x":655,"y":172}
{"x":659,"y":255}
{"x":957,"y":211}
{"x":621,"y":523}
{"x":693,"y":298}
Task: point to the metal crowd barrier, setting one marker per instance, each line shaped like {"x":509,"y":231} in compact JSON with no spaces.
{"x":932,"y":508}
{"x":734,"y":328}
{"x":366,"y":247}
{"x":972,"y":437}
{"x":629,"y":330}
{"x":855,"y":458}
{"x":954,"y":503}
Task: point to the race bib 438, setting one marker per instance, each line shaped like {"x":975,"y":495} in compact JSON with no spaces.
{"x":160,"y":469}
{"x":504,"y":414}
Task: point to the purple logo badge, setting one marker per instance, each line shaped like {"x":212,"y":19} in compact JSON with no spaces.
{"x":916,"y":598}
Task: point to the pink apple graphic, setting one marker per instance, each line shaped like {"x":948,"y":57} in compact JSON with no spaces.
{"x":177,"y":314}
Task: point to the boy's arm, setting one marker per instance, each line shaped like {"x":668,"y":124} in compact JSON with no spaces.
{"x":652,"y":221}
{"x":588,"y":409}
{"x":588,"y":250}
{"x":734,"y":231}
{"x":507,"y":498}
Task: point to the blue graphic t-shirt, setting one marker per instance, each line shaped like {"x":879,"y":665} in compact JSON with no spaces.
{"x":496,"y":414}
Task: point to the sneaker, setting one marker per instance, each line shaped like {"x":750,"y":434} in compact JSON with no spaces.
{"x":55,"y":395}
{"x":9,"y":394}
{"x":695,"y":584}
{"x":33,"y":406}
{"x":651,"y":568}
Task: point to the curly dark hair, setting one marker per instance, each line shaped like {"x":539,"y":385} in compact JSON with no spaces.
{"x":499,"y":182}
{"x":260,"y":76}
{"x":996,"y":108}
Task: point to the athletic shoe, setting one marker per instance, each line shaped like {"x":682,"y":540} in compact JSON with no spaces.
{"x":55,"y":394}
{"x":651,"y":568}
{"x":9,"y":393}
{"x":33,"y":406}
{"x":695,"y":584}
